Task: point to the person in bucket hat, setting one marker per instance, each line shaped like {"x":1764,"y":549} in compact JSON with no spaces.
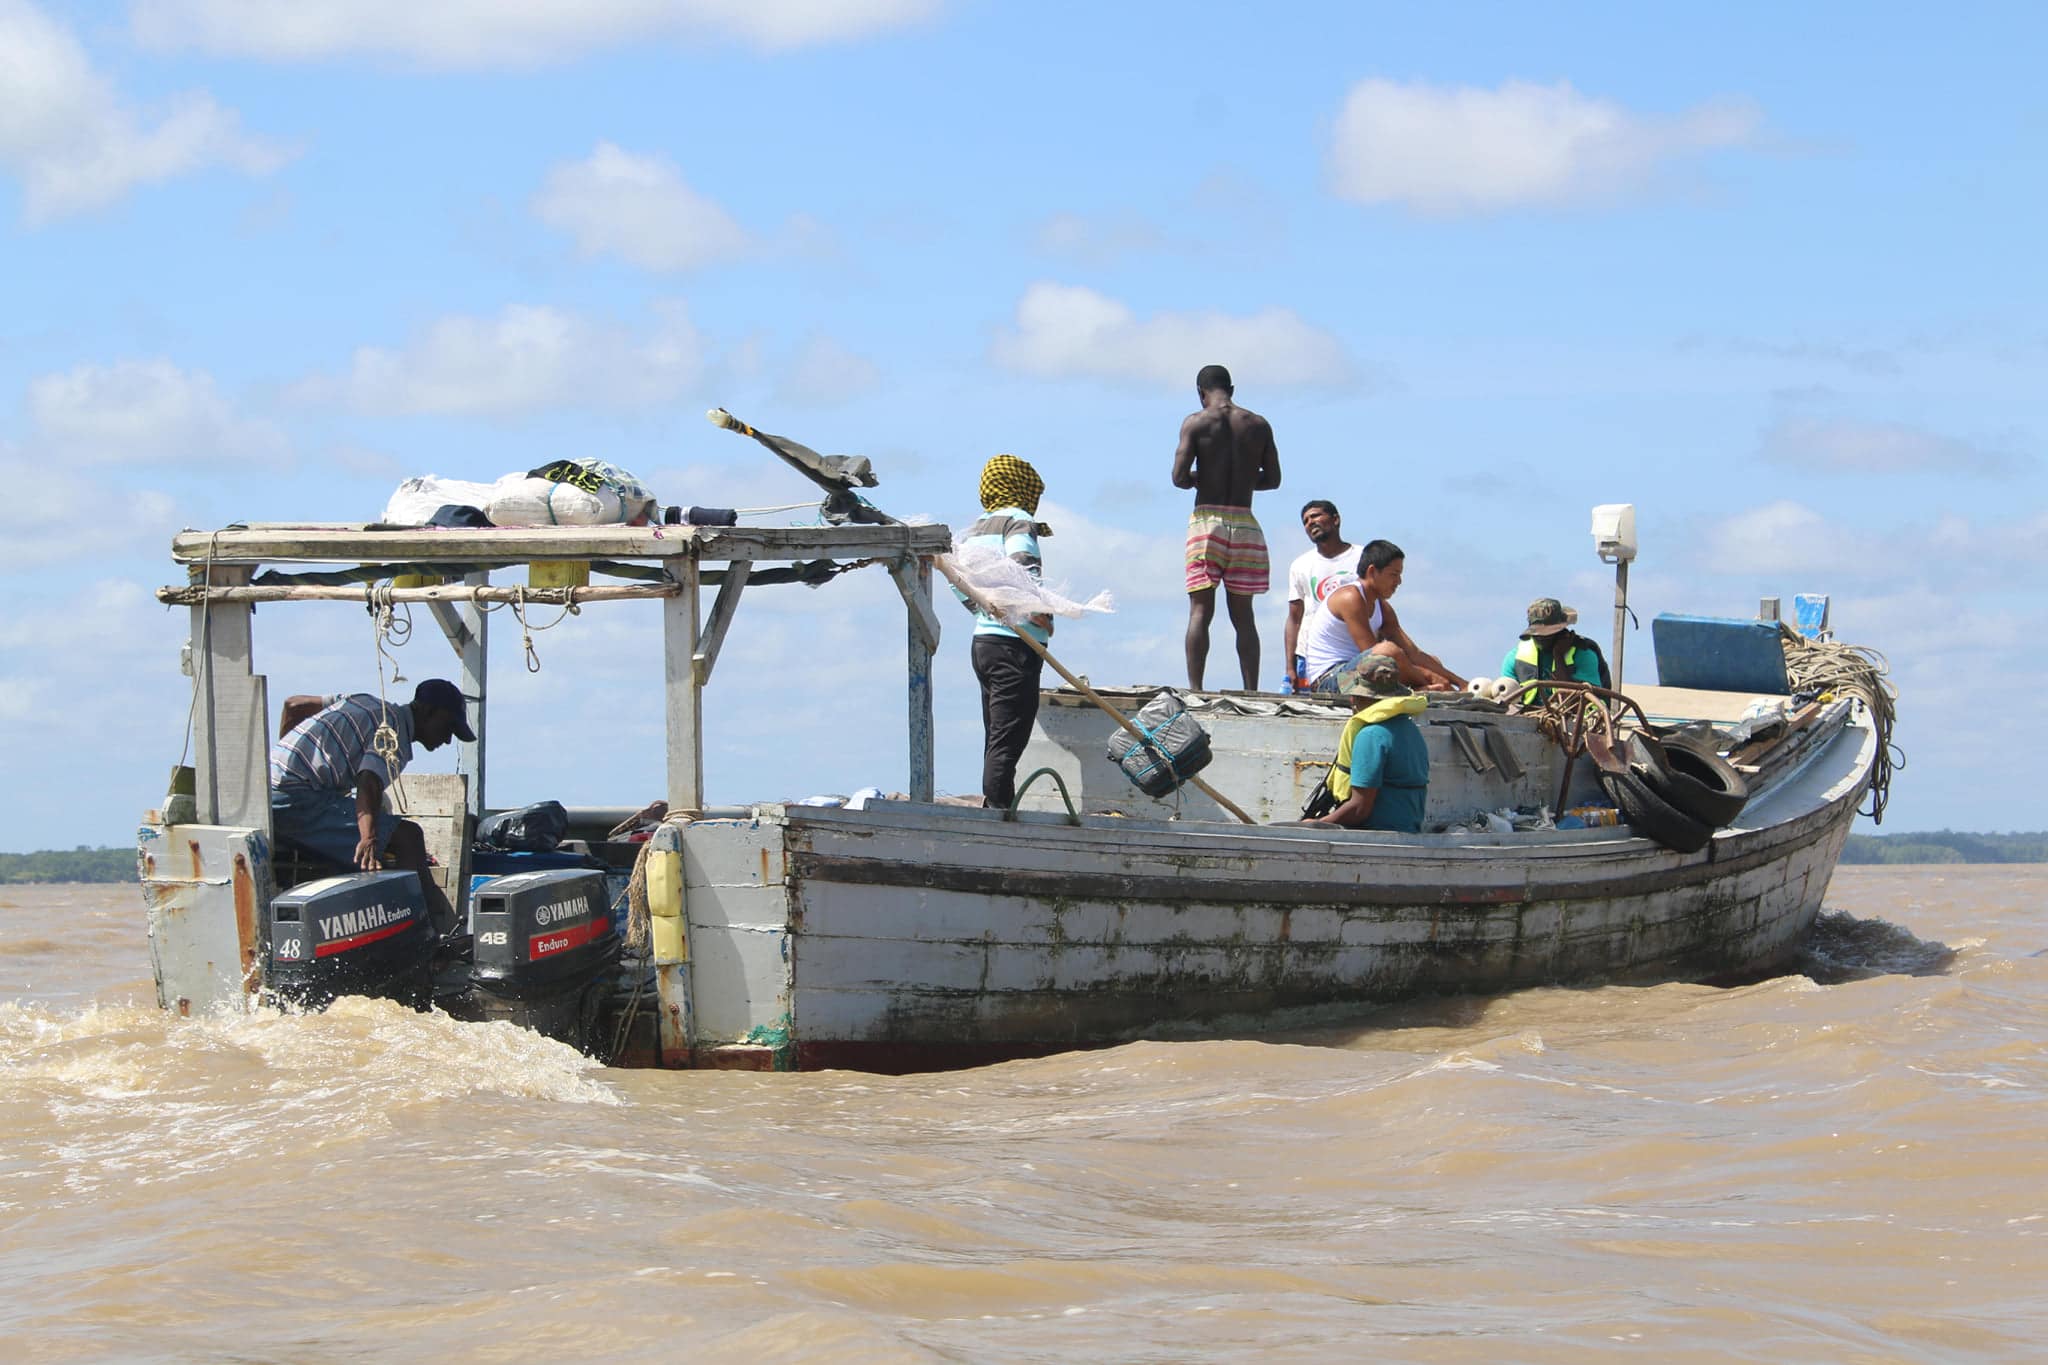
{"x":1549,"y":648}
{"x":1379,"y":776}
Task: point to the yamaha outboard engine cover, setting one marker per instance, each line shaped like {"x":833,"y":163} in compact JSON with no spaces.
{"x":365,"y":934}
{"x":546,"y":951}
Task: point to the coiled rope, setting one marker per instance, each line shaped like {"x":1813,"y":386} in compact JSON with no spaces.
{"x":391,"y":622}
{"x":570,"y":607}
{"x":1825,"y":668}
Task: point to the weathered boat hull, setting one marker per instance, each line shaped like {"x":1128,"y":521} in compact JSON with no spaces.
{"x":906,"y":936}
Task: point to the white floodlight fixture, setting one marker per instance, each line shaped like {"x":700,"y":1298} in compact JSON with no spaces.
{"x":1614,"y":531}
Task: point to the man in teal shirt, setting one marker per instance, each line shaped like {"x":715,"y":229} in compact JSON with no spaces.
{"x":1381,"y":774}
{"x":1550,"y":649}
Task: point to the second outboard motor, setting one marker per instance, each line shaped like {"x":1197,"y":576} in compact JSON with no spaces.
{"x":546,"y":952}
{"x":365,"y":934}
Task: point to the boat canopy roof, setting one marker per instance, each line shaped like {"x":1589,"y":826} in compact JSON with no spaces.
{"x":370,"y":543}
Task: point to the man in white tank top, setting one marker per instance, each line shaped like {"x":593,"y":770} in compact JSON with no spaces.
{"x":1359,"y":619}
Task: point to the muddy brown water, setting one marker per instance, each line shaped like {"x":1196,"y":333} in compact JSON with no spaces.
{"x":1844,"y":1163}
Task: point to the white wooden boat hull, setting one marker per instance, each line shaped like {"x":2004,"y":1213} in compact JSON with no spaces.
{"x":908,"y":935}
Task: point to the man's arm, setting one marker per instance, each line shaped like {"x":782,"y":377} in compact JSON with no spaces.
{"x":1184,"y":454}
{"x":1269,"y":462}
{"x":297,"y":709}
{"x":1357,"y":619}
{"x":369,"y":801}
{"x":1289,"y":636}
{"x":1355,"y":810}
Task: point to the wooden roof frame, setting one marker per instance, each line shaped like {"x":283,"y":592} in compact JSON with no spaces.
{"x":231,"y":704}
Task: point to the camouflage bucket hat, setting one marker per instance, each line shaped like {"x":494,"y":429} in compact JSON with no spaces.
{"x":1376,"y":675}
{"x":1548,"y":616}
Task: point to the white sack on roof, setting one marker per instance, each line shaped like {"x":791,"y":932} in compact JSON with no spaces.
{"x":580,"y":492}
{"x":417,"y":500}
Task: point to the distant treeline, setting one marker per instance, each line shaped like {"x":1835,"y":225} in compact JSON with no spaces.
{"x":81,"y":864}
{"x":1946,"y":846}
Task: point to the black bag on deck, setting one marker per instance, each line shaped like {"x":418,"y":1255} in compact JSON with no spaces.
{"x":1321,"y":801}
{"x":1176,"y":746}
{"x":538,"y":828}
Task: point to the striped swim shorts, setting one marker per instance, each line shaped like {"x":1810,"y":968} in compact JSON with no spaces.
{"x":1225,"y":545}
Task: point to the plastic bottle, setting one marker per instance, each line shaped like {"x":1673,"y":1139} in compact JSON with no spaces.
{"x":1595,"y":816}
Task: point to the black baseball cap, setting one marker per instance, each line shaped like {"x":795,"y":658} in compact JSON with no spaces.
{"x":438,"y":694}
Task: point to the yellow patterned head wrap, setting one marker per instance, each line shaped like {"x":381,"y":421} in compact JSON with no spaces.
{"x":1007,"y":481}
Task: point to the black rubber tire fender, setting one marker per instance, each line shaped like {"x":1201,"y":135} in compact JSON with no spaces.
{"x":1651,"y":816}
{"x":1699,"y":782}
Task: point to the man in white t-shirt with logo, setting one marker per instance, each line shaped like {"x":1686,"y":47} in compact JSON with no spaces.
{"x":1317,"y":572}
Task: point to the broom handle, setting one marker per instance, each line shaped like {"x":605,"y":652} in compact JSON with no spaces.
{"x":972,"y":595}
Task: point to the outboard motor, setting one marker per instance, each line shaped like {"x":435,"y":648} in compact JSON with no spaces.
{"x":546,"y":952}
{"x":364,"y":934}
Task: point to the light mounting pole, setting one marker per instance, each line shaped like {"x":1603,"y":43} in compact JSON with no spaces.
{"x":1614,"y":537}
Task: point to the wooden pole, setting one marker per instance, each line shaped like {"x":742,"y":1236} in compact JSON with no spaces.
{"x":684,"y":696}
{"x":974,"y":596}
{"x":1620,"y":617}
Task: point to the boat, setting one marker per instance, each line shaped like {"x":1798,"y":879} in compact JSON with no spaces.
{"x":914,"y":932}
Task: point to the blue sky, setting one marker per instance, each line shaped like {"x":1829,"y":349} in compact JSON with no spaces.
{"x":1772,"y":274}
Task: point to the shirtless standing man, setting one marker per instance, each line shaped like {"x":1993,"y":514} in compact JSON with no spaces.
{"x":1226,"y":454}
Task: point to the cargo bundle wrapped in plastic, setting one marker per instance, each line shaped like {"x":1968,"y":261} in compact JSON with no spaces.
{"x":1175,"y":748}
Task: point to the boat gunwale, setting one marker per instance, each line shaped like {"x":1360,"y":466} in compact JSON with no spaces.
{"x":1433,"y":848}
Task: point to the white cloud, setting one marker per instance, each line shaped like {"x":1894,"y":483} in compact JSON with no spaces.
{"x":1463,"y":149}
{"x":68,"y":518}
{"x":823,"y":373}
{"x":1084,"y":557}
{"x":526,"y":358}
{"x":76,"y":146}
{"x":1064,"y":330}
{"x":1098,"y":241}
{"x":1786,"y":537}
{"x":1981,"y":557}
{"x":637,"y":208}
{"x":475,"y":33}
{"x":1877,"y":448}
{"x":140,"y":411}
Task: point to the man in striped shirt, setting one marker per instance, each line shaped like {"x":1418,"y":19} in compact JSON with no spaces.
{"x":328,"y":774}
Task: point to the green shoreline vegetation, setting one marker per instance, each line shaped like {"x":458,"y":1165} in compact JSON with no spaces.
{"x":84,"y":864}
{"x":80,"y":864}
{"x":1946,"y":846}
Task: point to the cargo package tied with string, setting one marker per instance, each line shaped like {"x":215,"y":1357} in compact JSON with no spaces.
{"x":1175,"y":747}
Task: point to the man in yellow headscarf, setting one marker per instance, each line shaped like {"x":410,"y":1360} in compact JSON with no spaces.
{"x":1007,"y":668}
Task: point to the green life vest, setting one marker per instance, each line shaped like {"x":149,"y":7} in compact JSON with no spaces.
{"x":1528,"y":667}
{"x":1338,"y":780}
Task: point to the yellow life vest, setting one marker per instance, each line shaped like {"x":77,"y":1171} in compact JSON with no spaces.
{"x":1386,"y":708}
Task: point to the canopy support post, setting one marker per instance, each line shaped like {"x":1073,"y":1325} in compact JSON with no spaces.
{"x":913,"y":578}
{"x":476,"y":656}
{"x":722,"y":608}
{"x":684,"y":701}
{"x":231,"y":711}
